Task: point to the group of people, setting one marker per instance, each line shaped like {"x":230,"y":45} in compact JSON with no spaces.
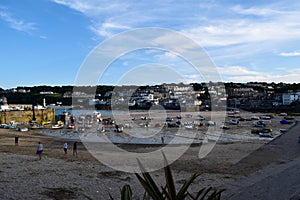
{"x":74,"y":148}
{"x":39,"y":150}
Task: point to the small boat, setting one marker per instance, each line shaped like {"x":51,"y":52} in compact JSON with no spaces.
{"x":285,"y":121}
{"x":189,"y":127}
{"x":224,"y":127}
{"x":188,"y":115}
{"x":118,"y":128}
{"x":255,"y":117}
{"x":71,"y":126}
{"x":283,"y":130}
{"x":178,"y":116}
{"x":24,"y":129}
{"x":200,"y":118}
{"x":234,"y":121}
{"x":101,"y":129}
{"x":210,"y":123}
{"x":262,"y":134}
{"x":57,"y":126}
{"x":266,"y":117}
{"x":259,"y":124}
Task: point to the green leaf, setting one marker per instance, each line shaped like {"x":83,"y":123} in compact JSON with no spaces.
{"x":183,"y":190}
{"x":169,"y":180}
{"x":205,"y":193}
{"x":148,"y":183}
{"x":126,"y":193}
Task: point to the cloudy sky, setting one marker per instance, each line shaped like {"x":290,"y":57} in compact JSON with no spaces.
{"x":45,"y":42}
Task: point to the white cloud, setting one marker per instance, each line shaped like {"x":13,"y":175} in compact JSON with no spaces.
{"x":107,"y":28}
{"x":92,"y":8}
{"x":242,"y":74}
{"x":236,"y":70}
{"x":239,"y":31}
{"x":17,"y":24}
{"x":290,"y":54}
{"x":270,"y":77}
{"x":255,"y":11}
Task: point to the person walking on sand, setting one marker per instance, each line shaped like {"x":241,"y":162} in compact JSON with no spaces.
{"x":17,"y":140}
{"x":75,"y":149}
{"x":39,"y":150}
{"x":66,"y":148}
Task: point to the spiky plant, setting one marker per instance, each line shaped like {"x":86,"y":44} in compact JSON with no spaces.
{"x":168,"y":192}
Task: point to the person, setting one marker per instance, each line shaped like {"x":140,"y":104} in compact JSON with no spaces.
{"x":75,"y":149}
{"x":66,"y":147}
{"x":39,"y":150}
{"x":17,"y":140}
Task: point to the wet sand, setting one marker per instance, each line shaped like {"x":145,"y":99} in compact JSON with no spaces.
{"x":62,"y":176}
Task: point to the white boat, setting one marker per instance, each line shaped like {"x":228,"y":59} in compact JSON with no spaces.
{"x":262,"y":134}
{"x":210,"y":123}
{"x":189,"y":127}
{"x":24,"y":129}
{"x":57,"y":126}
{"x":224,"y":127}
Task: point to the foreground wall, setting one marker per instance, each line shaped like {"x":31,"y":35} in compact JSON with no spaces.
{"x":26,"y":116}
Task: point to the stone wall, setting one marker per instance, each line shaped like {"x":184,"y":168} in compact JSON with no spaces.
{"x":26,"y":116}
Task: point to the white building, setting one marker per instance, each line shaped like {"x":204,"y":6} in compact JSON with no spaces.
{"x":288,"y":98}
{"x":3,"y":105}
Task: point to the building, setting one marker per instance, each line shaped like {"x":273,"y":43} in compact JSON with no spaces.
{"x":4,"y":105}
{"x":288,"y":98}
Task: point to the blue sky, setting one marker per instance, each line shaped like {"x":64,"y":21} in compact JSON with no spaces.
{"x":44,"y":42}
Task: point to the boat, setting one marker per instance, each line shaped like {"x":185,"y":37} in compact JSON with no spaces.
{"x":224,"y":127}
{"x":101,"y":129}
{"x":118,"y":128}
{"x":234,"y":121}
{"x":200,"y":118}
{"x":24,"y":129}
{"x":255,"y":117}
{"x":57,"y":126}
{"x":210,"y":123}
{"x":46,"y":123}
{"x":259,"y":124}
{"x":285,"y":121}
{"x":189,"y":127}
{"x":71,"y":126}
{"x":262,"y":134}
{"x":283,"y":130}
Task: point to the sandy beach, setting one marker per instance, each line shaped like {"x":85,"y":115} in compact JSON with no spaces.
{"x":60,"y":176}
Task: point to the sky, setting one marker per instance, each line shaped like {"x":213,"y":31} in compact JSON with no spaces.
{"x":47,"y":42}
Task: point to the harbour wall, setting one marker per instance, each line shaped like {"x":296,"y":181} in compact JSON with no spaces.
{"x":27,"y":115}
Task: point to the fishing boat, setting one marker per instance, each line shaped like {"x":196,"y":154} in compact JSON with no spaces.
{"x":57,"y":126}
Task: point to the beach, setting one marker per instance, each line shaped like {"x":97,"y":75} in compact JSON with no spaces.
{"x":60,"y":176}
